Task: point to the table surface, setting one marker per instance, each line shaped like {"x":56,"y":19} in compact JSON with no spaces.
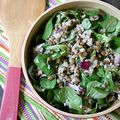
{"x":116,"y":3}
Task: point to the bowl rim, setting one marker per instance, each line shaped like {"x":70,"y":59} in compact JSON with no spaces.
{"x":40,"y":100}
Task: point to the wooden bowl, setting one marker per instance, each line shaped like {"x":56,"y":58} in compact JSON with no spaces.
{"x":34,"y":30}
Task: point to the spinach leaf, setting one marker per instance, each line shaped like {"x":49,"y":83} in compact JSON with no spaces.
{"x":75,"y":12}
{"x":84,"y":81}
{"x":115,"y":43}
{"x":102,"y":37}
{"x":50,"y":96}
{"x":101,"y":103}
{"x":109,"y":24}
{"x":69,"y":38}
{"x":67,"y":95}
{"x":117,"y":31}
{"x":31,"y":72}
{"x":60,"y":50}
{"x":60,"y":16}
{"x":108,"y":78}
{"x":100,"y":72}
{"x":48,"y":29}
{"x":38,"y":87}
{"x":41,"y":62}
{"x":95,"y":25}
{"x":47,"y":84}
{"x":86,"y":23}
{"x":94,"y":77}
{"x":93,"y":12}
{"x":95,"y":91}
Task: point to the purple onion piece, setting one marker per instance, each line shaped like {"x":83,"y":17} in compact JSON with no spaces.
{"x":85,"y":65}
{"x":79,"y":89}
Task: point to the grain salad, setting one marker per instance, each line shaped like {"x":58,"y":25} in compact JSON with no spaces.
{"x":75,"y":64}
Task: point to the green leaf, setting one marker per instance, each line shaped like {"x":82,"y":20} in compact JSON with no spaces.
{"x":48,"y":29}
{"x":84,"y":81}
{"x":115,"y":43}
{"x":117,"y":50}
{"x":93,"y":53}
{"x":95,"y":25}
{"x":100,"y":72}
{"x":101,"y":103}
{"x":93,"y":12}
{"x":75,"y":12}
{"x":102,"y":37}
{"x":116,"y":32}
{"x":41,"y":62}
{"x":97,"y":93}
{"x":38,"y":87}
{"x":86,"y":23}
{"x":69,"y":98}
{"x":31,"y":72}
{"x":93,"y":84}
{"x":60,"y":50}
{"x":109,"y":24}
{"x":94,"y":77}
{"x":47,"y":84}
{"x":69,"y":38}
{"x":108,"y":78}
{"x":50,"y":96}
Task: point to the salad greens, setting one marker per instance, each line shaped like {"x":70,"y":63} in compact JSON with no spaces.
{"x":67,"y":95}
{"x":48,"y":29}
{"x":86,"y":24}
{"x":75,"y":64}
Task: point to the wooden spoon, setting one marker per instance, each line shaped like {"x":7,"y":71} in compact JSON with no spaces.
{"x":16,"y":16}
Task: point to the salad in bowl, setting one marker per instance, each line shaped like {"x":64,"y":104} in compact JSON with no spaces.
{"x":75,"y":61}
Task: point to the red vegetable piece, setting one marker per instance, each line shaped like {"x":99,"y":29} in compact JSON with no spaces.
{"x":85,"y":65}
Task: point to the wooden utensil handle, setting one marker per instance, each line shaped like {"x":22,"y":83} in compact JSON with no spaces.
{"x":10,"y":99}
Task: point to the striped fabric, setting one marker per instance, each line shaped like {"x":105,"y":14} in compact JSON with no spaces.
{"x":30,"y":108}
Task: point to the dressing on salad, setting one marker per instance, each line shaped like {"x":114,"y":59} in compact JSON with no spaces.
{"x":75,"y":64}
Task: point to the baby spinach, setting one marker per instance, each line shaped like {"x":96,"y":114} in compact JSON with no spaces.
{"x":67,"y":95}
{"x":115,"y":43}
{"x":94,"y":12}
{"x":76,"y":13}
{"x":38,"y":88}
{"x":41,"y":62}
{"x":100,"y":72}
{"x":101,"y":103}
{"x":84,"y":81}
{"x":102,"y":37}
{"x":48,"y":29}
{"x":109,"y":24}
{"x":31,"y":72}
{"x":108,"y":78}
{"x":94,"y":77}
{"x":69,"y":38}
{"x":95,"y":91}
{"x":86,"y":23}
{"x":60,"y":50}
{"x":47,"y":84}
{"x":117,"y":31}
